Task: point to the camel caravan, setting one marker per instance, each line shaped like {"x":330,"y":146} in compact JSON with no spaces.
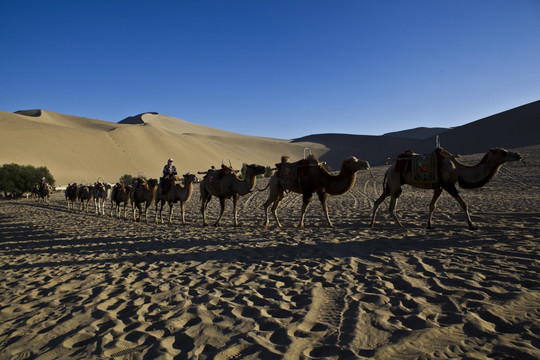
{"x":438,"y":171}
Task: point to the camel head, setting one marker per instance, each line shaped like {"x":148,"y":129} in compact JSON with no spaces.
{"x":354,"y":165}
{"x":501,"y":156}
{"x":189,"y":178}
{"x":255,"y":170}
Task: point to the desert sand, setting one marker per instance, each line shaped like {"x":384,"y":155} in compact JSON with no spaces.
{"x":77,"y":285}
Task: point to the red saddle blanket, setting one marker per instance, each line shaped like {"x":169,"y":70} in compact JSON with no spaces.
{"x":423,"y":167}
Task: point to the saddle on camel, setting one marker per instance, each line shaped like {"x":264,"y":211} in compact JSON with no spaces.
{"x":167,"y":182}
{"x":213,"y":175}
{"x":290,"y":173}
{"x":424,"y":168}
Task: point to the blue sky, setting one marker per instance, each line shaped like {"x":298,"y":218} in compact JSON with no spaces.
{"x":280,"y":69}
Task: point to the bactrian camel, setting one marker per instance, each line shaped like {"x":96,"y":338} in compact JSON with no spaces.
{"x":450,"y":171}
{"x":177,"y":192}
{"x":225,"y":186}
{"x":310,"y":179}
{"x":101,"y":193}
{"x":71,"y":195}
{"x":120,"y":194}
{"x":143,"y":192}
{"x":84,"y":194}
{"x":44,"y":194}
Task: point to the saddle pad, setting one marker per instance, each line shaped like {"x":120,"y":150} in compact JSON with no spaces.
{"x":288,"y":173}
{"x":424,"y":169}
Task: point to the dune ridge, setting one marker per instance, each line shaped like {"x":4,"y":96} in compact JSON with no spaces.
{"x":78,"y":149}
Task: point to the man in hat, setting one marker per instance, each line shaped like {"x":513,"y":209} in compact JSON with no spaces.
{"x":42,"y":183}
{"x":169,"y":173}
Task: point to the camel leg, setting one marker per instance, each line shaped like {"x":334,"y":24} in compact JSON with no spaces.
{"x":222,"y":205}
{"x":274,"y":209}
{"x":235,"y":215}
{"x":146,"y":206}
{"x":306,"y":198}
{"x":274,"y":200}
{"x":455,"y":194}
{"x":160,"y":204}
{"x":139,"y":215}
{"x":323,"y":197}
{"x":204,"y":203}
{"x":376,"y":205}
{"x":433,"y":204}
{"x":182,"y":208}
{"x":280,"y":197}
{"x":171,"y":204}
{"x":392,"y":210}
{"x":265,"y":207}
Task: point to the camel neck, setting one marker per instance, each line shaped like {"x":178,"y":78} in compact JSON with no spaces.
{"x":478,"y":175}
{"x":340,"y":183}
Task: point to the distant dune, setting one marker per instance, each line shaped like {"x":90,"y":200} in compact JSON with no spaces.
{"x":510,"y":129}
{"x":417,"y":133}
{"x":77,"y":149}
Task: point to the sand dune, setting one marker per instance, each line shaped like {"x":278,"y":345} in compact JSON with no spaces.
{"x":509,"y":129}
{"x":79,"y":286}
{"x":77,"y":149}
{"x":82,"y":150}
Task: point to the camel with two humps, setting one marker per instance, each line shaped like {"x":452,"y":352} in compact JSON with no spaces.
{"x":45,"y":194}
{"x":142,"y":193}
{"x":225,"y":184}
{"x":178,"y":192}
{"x":311,"y":178}
{"x":71,"y":195}
{"x":119,"y":195}
{"x":100,"y":194}
{"x":84,"y":194}
{"x":449,"y":172}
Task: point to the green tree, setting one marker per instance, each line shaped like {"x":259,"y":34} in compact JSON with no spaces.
{"x":126,"y":179}
{"x":17,"y":179}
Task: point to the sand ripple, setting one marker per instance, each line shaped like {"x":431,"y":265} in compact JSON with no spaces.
{"x":81,"y":286}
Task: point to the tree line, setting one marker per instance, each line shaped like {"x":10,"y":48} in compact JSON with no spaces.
{"x":15,"y":179}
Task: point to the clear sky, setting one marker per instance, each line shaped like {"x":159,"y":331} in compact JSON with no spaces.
{"x":275,"y":68}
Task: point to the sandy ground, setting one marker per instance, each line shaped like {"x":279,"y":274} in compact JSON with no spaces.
{"x":79,"y":286}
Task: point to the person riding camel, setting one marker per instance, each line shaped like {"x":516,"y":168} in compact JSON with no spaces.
{"x":169,"y":173}
{"x":42,"y":183}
